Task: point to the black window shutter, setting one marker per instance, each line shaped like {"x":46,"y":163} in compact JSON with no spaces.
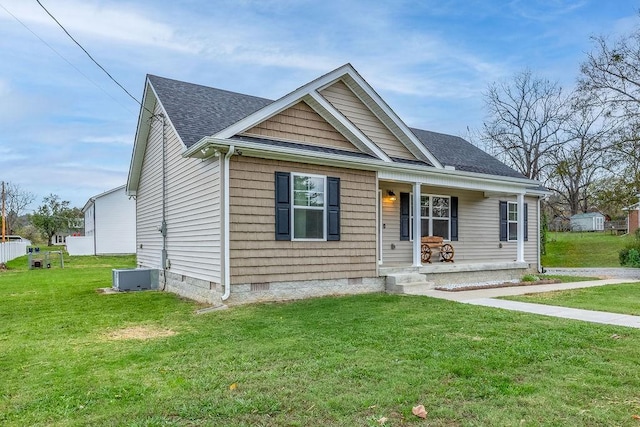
{"x":504,"y":228}
{"x":526,"y":222}
{"x":283,"y":206}
{"x":333,"y":208}
{"x":404,"y":216}
{"x":454,"y":219}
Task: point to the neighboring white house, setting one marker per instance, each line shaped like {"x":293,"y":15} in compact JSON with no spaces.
{"x":110,"y":220}
{"x":591,"y":221}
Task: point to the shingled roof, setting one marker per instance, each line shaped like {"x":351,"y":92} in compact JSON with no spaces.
{"x":454,"y":151}
{"x":198,"y":111}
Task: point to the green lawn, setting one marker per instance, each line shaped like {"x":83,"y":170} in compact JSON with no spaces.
{"x":70,"y":356}
{"x":623,"y":298}
{"x":584,"y":250}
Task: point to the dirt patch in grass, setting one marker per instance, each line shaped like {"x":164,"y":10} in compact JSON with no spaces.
{"x":498,"y":285}
{"x":138,"y":333}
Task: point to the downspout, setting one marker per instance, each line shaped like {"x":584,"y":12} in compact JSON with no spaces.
{"x":95,"y":230}
{"x":538,"y":234}
{"x":225,"y":214}
{"x":163,"y":225}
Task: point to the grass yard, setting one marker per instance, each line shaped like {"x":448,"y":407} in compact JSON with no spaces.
{"x":70,"y":356}
{"x":584,"y":250}
{"x":623,"y":298}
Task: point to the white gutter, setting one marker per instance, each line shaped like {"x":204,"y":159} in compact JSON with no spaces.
{"x":538,"y":233}
{"x":356,"y":162}
{"x":225,"y":214}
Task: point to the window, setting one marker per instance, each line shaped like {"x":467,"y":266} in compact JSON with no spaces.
{"x":509,"y":221}
{"x":512,"y":221}
{"x":308,"y":206}
{"x":439,"y":216}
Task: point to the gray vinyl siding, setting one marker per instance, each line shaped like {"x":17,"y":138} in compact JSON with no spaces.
{"x":478,"y":227}
{"x":193,"y":210}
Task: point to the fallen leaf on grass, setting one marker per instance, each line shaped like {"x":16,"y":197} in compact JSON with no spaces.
{"x":615,"y":336}
{"x":419,"y":411}
{"x":382,"y":420}
{"x":233,"y":386}
{"x":636,"y":417}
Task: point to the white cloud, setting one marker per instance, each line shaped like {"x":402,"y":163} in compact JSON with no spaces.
{"x":116,"y":22}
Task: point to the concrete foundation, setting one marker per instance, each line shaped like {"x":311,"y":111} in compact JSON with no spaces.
{"x":188,"y":287}
{"x":283,"y":291}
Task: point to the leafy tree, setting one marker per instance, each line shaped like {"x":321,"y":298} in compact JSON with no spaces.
{"x":52,"y":216}
{"x":525,"y":116}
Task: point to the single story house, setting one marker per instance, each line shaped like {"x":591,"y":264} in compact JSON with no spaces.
{"x":322,"y":191}
{"x":590,"y":221}
{"x":110,"y":223}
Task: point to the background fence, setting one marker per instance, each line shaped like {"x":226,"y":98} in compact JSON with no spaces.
{"x":12,"y":250}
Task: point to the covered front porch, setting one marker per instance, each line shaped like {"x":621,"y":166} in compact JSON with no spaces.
{"x":491,"y":226}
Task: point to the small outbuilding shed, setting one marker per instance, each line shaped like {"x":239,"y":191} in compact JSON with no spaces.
{"x":591,"y":221}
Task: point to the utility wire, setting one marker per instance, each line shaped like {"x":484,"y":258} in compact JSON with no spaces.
{"x":89,"y":55}
{"x":65,"y":59}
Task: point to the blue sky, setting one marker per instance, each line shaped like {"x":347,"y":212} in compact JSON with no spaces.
{"x":65,"y":128}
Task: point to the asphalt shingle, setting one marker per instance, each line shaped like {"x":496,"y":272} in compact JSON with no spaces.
{"x":197,"y":111}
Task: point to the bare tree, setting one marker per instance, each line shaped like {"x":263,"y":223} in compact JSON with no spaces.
{"x":612,"y":74}
{"x":585,"y":156}
{"x":524,"y":122}
{"x":17,"y":200}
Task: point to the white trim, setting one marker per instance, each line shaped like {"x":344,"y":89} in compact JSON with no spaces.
{"x":355,"y":135}
{"x":387,"y":171}
{"x":520,"y":251}
{"x":390,"y":119}
{"x":281,"y":104}
{"x":226,"y":224}
{"x":417,"y":225}
{"x":373,"y":101}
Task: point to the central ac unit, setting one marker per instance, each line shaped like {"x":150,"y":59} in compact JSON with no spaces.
{"x":135,"y":279}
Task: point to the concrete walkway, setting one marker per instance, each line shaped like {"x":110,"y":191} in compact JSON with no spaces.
{"x":486,"y":298}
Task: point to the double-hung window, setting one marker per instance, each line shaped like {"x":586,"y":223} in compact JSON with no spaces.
{"x":309,"y":201}
{"x":512,"y":221}
{"x":307,"y":207}
{"x":509,"y":217}
{"x":438,"y":216}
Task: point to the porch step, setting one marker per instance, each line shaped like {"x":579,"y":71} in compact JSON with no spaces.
{"x":407,"y":283}
{"x":411,"y":288}
{"x":400,"y":278}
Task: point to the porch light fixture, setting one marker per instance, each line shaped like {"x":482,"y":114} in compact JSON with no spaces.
{"x":392,"y":195}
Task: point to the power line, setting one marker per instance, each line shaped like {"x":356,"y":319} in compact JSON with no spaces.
{"x":65,"y":59}
{"x":89,"y":55}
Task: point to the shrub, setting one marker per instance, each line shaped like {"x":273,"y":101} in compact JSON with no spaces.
{"x":633,"y":258}
{"x":630,"y":255}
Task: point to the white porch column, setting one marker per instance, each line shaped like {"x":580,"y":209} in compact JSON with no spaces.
{"x":417,"y":231}
{"x":520,"y":257}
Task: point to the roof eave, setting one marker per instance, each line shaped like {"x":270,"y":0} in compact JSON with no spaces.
{"x":202,"y":149}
